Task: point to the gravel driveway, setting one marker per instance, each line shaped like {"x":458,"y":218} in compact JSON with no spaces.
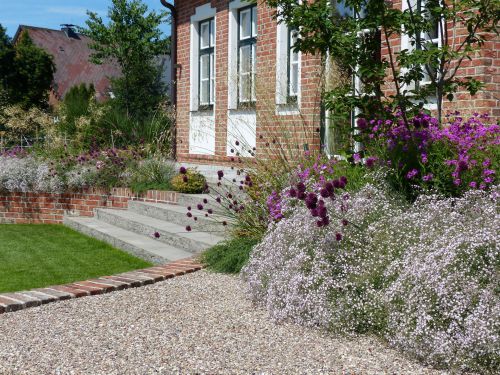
{"x":198,"y":323}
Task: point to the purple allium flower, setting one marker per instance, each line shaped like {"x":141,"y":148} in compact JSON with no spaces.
{"x":205,"y":200}
{"x":156,"y":235}
{"x":314,"y":212}
{"x":189,"y":208}
{"x":185,"y":179}
{"x":210,"y":211}
{"x":362,"y":124}
{"x":301,"y":195}
{"x":224,"y":223}
{"x":311,"y":200}
{"x":301,"y":187}
{"x":220,"y":174}
{"x":188,"y":228}
{"x":292,"y":192}
{"x":199,"y":206}
{"x":325,"y":193}
{"x":329,"y":187}
{"x":182,"y":170}
{"x":370,"y":162}
{"x":345,"y":222}
{"x":338,"y":236}
{"x":189,"y":214}
{"x":195,"y":218}
{"x":322,"y":212}
{"x":237,"y":143}
{"x":218,"y":199}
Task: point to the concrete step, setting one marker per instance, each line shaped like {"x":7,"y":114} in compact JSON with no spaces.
{"x":194,"y":199}
{"x":170,"y":233}
{"x":177,"y":214}
{"x":141,"y":246}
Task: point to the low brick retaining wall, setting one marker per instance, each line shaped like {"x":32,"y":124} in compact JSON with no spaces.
{"x":49,"y":208}
{"x":10,"y":302}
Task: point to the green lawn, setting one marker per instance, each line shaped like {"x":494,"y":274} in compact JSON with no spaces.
{"x":33,"y":256}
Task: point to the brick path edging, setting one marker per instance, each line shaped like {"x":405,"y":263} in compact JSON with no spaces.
{"x":15,"y":301}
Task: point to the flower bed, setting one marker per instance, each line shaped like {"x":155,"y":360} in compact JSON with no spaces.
{"x":49,"y":208}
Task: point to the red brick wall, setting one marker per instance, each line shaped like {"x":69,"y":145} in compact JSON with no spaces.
{"x":484,"y":66}
{"x":48,"y":208}
{"x":266,"y":76}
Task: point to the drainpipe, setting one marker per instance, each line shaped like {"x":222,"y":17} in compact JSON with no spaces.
{"x":173,"y":62}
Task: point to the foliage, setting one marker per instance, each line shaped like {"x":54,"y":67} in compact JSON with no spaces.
{"x":133,"y":40}
{"x":424,"y":276}
{"x":21,"y":125}
{"x":190,"y":182}
{"x":36,"y":256}
{"x":151,"y":174}
{"x":462,"y":155}
{"x":30,"y":75}
{"x":76,"y":104}
{"x":353,"y":31}
{"x":229,"y":256}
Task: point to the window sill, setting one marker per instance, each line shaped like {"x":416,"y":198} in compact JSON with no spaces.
{"x":287,"y":109}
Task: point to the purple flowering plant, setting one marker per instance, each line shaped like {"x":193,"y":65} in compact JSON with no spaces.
{"x":461,"y":155}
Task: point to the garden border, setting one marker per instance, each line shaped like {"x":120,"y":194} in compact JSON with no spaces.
{"x":50,"y":208}
{"x":14,"y":301}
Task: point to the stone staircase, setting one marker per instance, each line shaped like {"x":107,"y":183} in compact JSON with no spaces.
{"x":132,"y":230}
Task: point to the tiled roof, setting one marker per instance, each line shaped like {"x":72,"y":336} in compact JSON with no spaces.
{"x":71,"y":57}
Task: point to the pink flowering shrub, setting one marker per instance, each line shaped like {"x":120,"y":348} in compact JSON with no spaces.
{"x":444,"y":303}
{"x":450,"y":159}
{"x":422,"y":275}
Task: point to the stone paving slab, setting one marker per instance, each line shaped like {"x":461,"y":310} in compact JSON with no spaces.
{"x":15,"y":301}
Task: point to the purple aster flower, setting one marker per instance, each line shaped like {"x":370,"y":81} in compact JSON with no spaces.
{"x":182,"y":170}
{"x":370,"y":162}
{"x":411,"y":174}
{"x":361,"y":122}
{"x":428,"y":177}
{"x":473,"y":184}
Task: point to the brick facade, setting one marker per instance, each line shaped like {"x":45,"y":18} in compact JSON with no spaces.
{"x":484,"y":66}
{"x":49,"y":208}
{"x":269,"y":123}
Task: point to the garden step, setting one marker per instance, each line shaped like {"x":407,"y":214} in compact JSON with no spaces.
{"x":177,"y":214}
{"x":194,"y":199}
{"x":169,"y":233}
{"x":139,"y":245}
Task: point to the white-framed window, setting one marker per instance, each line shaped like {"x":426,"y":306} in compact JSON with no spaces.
{"x":247,"y":49}
{"x":206,"y":90}
{"x":425,"y":39}
{"x":203,"y":59}
{"x":293,"y":62}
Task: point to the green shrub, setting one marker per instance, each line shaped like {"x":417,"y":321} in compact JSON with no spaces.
{"x":192,"y":182}
{"x":76,"y":104}
{"x":229,"y":256}
{"x":151,"y":174}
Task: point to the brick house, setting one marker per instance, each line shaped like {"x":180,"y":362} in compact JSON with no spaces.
{"x":238,"y":81}
{"x":71,"y":52}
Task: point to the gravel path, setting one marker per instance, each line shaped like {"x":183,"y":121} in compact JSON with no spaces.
{"x":198,"y":323}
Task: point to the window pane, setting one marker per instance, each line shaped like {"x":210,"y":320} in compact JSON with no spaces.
{"x":205,"y":34}
{"x":204,"y":66}
{"x":204,"y":92}
{"x":245,"y":24}
{"x":294,"y":79}
{"x":245,"y":87}
{"x":212,"y":79}
{"x":212,"y":33}
{"x":245,"y":59}
{"x":254,"y":69}
{"x":254,"y":21}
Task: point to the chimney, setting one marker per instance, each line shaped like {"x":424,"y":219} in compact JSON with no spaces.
{"x":69,"y":31}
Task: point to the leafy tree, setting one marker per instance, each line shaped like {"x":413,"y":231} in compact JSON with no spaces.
{"x":28,"y":73}
{"x":355,"y":31}
{"x":132,"y":38}
{"x":7,"y":55}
